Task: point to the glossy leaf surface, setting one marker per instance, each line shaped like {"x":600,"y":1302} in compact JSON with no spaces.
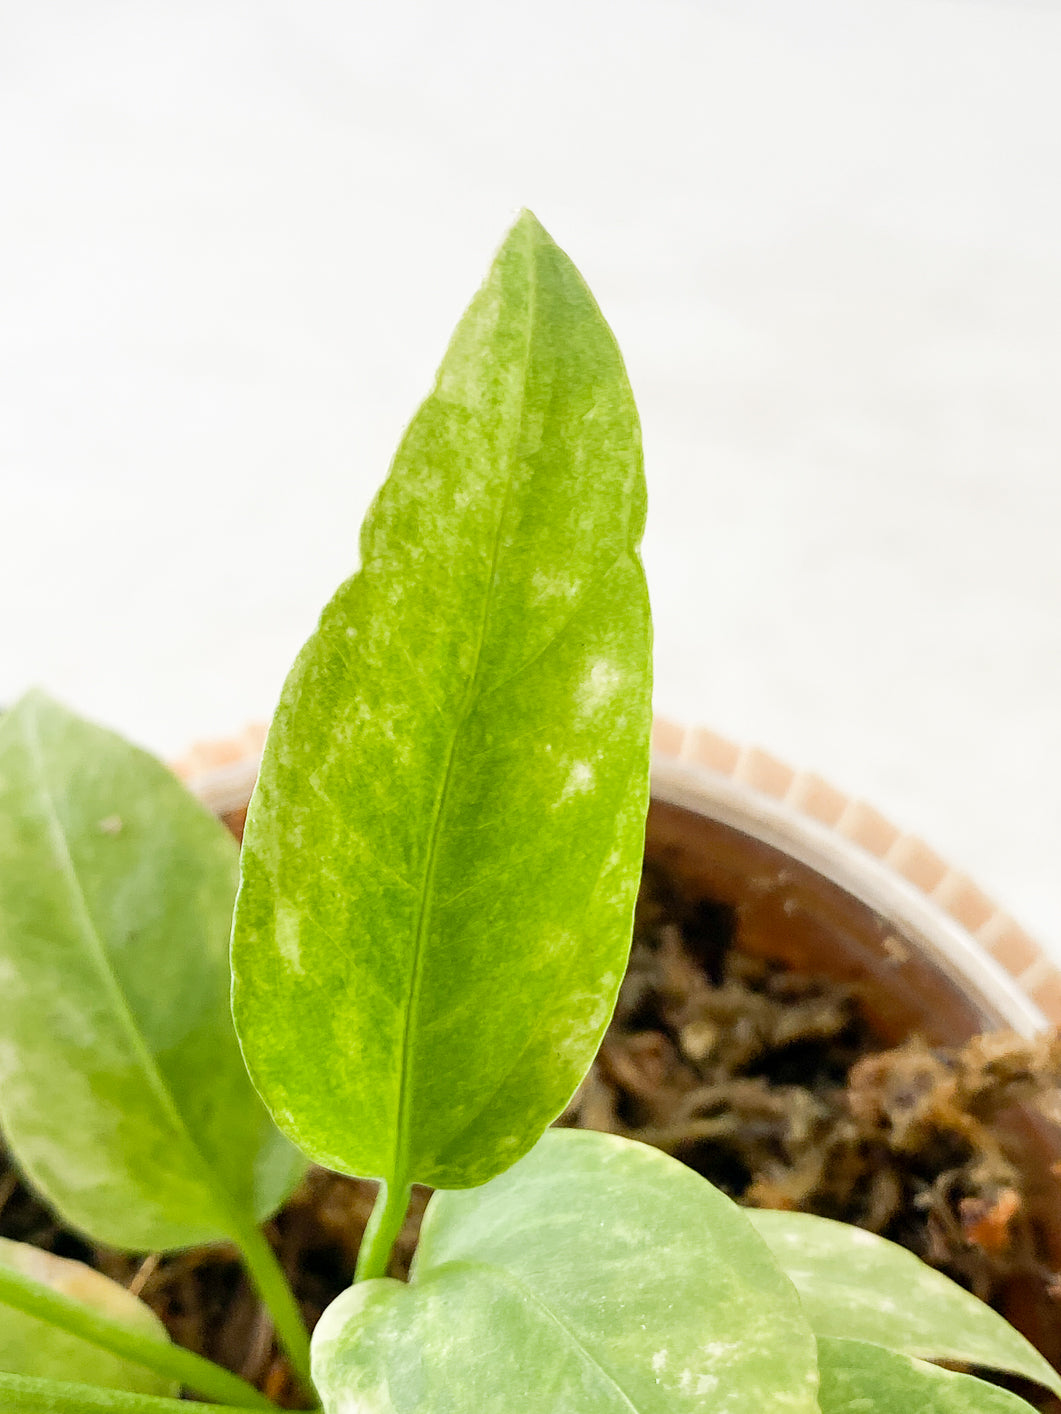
{"x":32,"y":1347}
{"x":122,"y":1091}
{"x":859,"y":1378}
{"x":597,"y":1276}
{"x":856,"y":1285}
{"x":442,"y":853}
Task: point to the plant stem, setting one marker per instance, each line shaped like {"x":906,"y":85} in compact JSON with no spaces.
{"x":279,"y":1300}
{"x":23,"y":1394}
{"x":388,"y":1214}
{"x":153,"y":1352}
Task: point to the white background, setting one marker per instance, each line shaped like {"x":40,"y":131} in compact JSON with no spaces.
{"x":234,"y":241}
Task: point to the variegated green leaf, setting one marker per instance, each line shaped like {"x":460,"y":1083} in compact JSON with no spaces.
{"x":856,"y":1285}
{"x":859,"y":1378}
{"x":597,"y":1276}
{"x":122,"y":1091}
{"x":442,"y":853}
{"x":32,"y":1347}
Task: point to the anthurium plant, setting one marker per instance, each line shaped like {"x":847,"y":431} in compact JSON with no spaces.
{"x":434,"y":910}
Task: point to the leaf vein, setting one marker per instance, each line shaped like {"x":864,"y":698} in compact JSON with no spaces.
{"x":580,"y":603}
{"x":157,"y":1085}
{"x":400,"y":1177}
{"x":531,"y":1296}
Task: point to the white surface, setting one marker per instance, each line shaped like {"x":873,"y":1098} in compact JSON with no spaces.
{"x":235,"y":239}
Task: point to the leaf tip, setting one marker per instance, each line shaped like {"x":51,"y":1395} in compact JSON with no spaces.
{"x":527,"y":227}
{"x":32,"y":705}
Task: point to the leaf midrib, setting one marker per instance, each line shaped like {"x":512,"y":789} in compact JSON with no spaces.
{"x":120,"y":1003}
{"x":509,"y":1278}
{"x":401,"y":1175}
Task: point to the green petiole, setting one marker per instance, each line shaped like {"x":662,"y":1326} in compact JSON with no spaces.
{"x":388,"y":1214}
{"x":275,"y":1291}
{"x":24,"y":1394}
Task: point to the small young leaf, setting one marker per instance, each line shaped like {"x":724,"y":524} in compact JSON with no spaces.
{"x":442,"y":853}
{"x":859,"y":1378}
{"x":123,"y":1095}
{"x":47,"y":1298}
{"x":32,"y":1347}
{"x":597,"y":1276}
{"x":856,"y":1285}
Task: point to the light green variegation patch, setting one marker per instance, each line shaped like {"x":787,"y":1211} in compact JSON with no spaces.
{"x":442,"y":853}
{"x":859,"y":1378}
{"x":122,"y":1092}
{"x":33,"y":1347}
{"x":597,"y":1276}
{"x":856,"y":1285}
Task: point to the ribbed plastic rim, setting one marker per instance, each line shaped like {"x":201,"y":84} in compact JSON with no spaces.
{"x":850,"y":842}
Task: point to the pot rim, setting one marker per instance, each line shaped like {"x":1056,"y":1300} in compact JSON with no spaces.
{"x":859,"y":873}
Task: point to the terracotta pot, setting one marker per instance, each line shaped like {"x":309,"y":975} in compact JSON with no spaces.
{"x":825,"y":885}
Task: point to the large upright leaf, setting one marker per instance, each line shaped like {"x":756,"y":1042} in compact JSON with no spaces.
{"x":597,"y":1276}
{"x":858,"y":1286}
{"x":859,"y":1378}
{"x":441,"y":856}
{"x":122,"y":1091}
{"x":32,"y":1347}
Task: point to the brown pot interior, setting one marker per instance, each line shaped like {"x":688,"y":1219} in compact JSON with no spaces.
{"x":790,"y":914}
